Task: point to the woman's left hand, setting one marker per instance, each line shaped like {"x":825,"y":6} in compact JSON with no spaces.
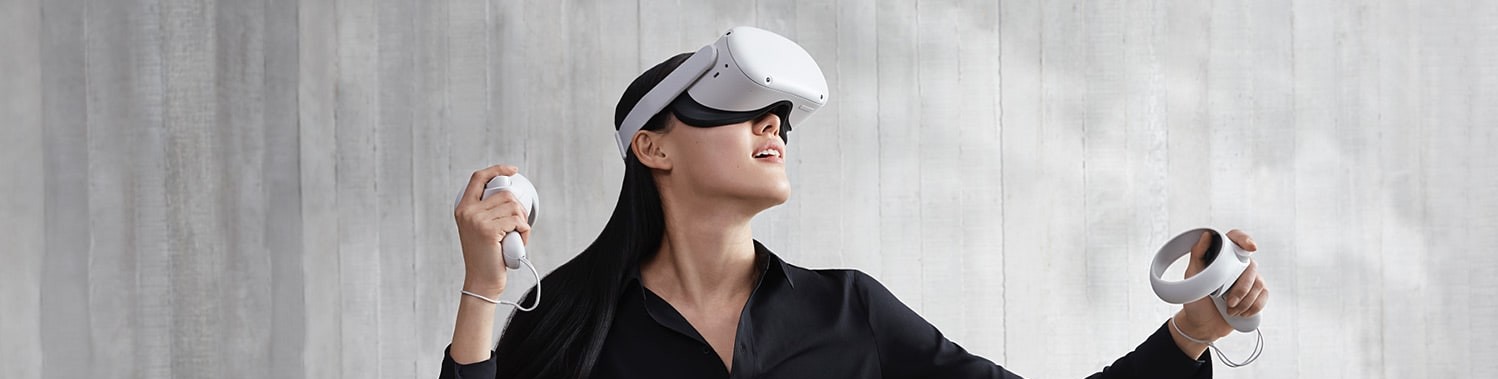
{"x":1200,"y":318}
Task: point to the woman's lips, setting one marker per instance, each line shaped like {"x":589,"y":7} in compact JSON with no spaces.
{"x":772,"y":159}
{"x":773,"y":151}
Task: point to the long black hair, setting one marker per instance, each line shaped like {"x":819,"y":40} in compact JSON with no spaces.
{"x":564,"y":335}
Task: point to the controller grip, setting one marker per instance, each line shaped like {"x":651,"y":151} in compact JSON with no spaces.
{"x":512,"y":245}
{"x":1242,"y":324}
{"x":514,"y":250}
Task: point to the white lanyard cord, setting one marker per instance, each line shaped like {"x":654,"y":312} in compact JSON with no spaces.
{"x":527,"y":264}
{"x":1258,"y":346}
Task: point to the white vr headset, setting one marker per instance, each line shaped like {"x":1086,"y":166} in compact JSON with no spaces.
{"x":746,"y":70}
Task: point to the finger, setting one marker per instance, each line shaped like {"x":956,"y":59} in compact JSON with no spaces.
{"x":1259,"y":304}
{"x":504,"y":206}
{"x":505,"y":217}
{"x":1198,"y":254}
{"x":1243,"y":285}
{"x":1242,"y":239}
{"x":516,"y":224}
{"x":509,"y":221}
{"x":499,"y":200}
{"x":478,"y":214}
{"x":476,"y":182}
{"x":524,"y":228}
{"x":1248,"y":301}
{"x":505,"y":170}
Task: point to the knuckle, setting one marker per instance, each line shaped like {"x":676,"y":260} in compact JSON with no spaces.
{"x":1239,"y":291}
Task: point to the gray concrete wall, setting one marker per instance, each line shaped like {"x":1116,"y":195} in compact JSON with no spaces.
{"x":262,"y":188}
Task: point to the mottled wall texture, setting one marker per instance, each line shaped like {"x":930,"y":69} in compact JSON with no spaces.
{"x":263,"y":188}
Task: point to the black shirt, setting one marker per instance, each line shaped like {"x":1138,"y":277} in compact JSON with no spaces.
{"x":822,"y":324}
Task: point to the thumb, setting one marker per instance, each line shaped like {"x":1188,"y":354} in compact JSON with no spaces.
{"x":1199,"y":254}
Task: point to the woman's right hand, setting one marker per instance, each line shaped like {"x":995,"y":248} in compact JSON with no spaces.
{"x":482,"y":225}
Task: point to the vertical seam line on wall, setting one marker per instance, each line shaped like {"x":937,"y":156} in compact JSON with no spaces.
{"x":919,"y":212}
{"x":338,"y":226}
{"x":1003,"y":216}
{"x":878,"y":142}
{"x":1294,"y":74}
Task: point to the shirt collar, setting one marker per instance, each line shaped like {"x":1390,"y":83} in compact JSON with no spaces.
{"x":771,"y":267}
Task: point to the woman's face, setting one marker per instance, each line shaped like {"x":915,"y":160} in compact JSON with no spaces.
{"x":743,"y":162}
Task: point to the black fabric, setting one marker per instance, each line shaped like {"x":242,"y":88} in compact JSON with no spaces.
{"x":822,"y":324}
{"x":693,"y":113}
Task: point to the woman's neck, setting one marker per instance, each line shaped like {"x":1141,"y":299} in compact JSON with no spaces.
{"x":706,"y":257}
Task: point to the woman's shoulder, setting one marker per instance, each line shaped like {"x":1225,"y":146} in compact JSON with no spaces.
{"x":847,"y":280}
{"x":845,"y":289}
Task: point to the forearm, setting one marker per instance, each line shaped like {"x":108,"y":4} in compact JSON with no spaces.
{"x":1191,"y":349}
{"x":473,"y":328}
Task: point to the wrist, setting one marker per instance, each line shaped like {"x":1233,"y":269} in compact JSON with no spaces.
{"x":1197,"y":329}
{"x":1191,"y":346}
{"x":490,"y":290}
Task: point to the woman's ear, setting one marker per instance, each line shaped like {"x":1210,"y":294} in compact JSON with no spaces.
{"x":649,"y":149}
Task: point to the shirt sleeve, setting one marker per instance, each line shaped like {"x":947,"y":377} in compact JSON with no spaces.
{"x":1158,"y":357}
{"x":910,"y":347}
{"x":452,"y":370}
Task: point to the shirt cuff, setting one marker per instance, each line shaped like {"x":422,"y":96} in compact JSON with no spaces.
{"x":1164,"y":358}
{"x":451,"y":368}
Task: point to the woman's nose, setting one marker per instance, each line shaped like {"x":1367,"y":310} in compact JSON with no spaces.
{"x":769,"y":124}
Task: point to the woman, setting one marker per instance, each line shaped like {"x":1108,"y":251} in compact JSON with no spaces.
{"x":675,"y":286}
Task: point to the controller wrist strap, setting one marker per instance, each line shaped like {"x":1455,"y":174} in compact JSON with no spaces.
{"x":535,"y":302}
{"x":1258,"y":346}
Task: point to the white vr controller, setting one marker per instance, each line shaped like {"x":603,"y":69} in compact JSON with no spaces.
{"x":1214,"y":281}
{"x":513,"y":245}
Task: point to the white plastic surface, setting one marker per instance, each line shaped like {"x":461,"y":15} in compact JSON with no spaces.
{"x":525,"y":193}
{"x":745,"y":69}
{"x":1214,"y":281}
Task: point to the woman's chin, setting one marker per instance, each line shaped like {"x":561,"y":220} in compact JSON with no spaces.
{"x":778,"y":193}
{"x":777,"y":200}
{"x":765,"y":196}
